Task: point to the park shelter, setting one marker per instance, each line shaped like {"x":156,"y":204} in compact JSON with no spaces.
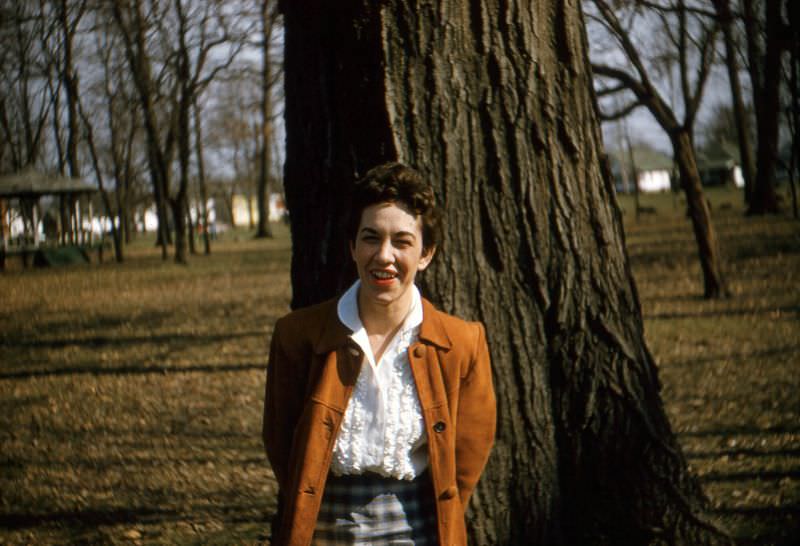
{"x":20,"y":195}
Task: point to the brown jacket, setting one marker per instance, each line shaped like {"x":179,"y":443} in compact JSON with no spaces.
{"x":313,"y":366}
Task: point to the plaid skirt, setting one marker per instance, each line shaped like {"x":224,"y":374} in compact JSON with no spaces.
{"x":371,"y":509}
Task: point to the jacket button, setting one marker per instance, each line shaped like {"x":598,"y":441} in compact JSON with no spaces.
{"x":449,"y":493}
{"x":419,"y":352}
{"x":354,"y":351}
{"x":439,"y":426}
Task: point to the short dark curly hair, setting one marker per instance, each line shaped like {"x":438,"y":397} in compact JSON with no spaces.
{"x":395,"y":182}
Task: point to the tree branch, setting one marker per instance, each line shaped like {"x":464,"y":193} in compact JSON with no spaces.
{"x":620,"y":113}
{"x":673,"y":9}
{"x":606,"y":91}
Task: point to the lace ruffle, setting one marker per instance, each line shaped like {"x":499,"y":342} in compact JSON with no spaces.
{"x":404,"y":427}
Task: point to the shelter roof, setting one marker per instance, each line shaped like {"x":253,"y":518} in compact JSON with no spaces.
{"x":32,"y":183}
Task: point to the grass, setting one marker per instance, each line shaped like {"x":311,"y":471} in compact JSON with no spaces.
{"x":130,"y":395}
{"x":729,"y":367}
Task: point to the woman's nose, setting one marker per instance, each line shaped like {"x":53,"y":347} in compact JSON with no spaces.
{"x":385,"y":254}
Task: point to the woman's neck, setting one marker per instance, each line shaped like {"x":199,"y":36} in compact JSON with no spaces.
{"x":379,"y":319}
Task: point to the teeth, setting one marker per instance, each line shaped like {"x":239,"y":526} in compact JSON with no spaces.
{"x":383,"y":274}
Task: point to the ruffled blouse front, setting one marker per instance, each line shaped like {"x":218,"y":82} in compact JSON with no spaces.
{"x":383,"y":430}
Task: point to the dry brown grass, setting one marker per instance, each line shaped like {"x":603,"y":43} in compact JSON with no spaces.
{"x":131,"y":395}
{"x":731,"y":368}
{"x":131,"y":398}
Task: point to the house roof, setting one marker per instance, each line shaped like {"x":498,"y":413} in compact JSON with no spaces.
{"x":718,"y":155}
{"x":645,"y":159}
{"x":31,"y":183}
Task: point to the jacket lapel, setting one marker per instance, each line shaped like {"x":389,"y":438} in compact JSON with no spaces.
{"x":337,"y":362}
{"x":432,"y":330}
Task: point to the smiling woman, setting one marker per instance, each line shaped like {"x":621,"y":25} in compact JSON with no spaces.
{"x":379,"y":412}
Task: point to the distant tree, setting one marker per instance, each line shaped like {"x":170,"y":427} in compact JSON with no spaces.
{"x":768,"y":37}
{"x":270,"y":79}
{"x":123,"y":149}
{"x":721,"y":124}
{"x":201,"y":177}
{"x":24,"y":98}
{"x":236,"y":130}
{"x":492,"y":101}
{"x":726,"y":20}
{"x":793,"y":109}
{"x":185,"y":34}
{"x":682,"y":32}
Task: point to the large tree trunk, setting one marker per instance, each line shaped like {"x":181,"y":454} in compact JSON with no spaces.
{"x":492,"y":101}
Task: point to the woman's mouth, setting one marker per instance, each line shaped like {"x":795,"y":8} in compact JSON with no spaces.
{"x":382,"y":278}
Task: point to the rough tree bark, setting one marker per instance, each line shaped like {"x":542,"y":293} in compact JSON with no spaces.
{"x":492,"y":101}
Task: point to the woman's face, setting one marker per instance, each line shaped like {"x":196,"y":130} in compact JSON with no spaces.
{"x":388,"y":253}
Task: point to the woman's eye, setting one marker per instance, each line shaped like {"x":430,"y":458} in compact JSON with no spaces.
{"x":403,"y":243}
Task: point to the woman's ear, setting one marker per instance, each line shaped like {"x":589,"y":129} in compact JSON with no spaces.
{"x":352,"y":246}
{"x":427,"y":256}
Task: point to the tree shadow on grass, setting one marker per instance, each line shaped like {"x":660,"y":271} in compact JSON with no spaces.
{"x":741,"y":431}
{"x":85,"y":518}
{"x":711,"y":313}
{"x":94,"y":517}
{"x":116,"y":340}
{"x":742,"y":452}
{"x":133,"y":370}
{"x":740,"y":356}
{"x":763,"y":475}
{"x":104,"y":464}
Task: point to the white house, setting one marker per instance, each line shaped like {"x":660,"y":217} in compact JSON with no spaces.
{"x":653,"y":169}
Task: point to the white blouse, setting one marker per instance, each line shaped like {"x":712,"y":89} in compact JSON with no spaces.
{"x":383,"y":430}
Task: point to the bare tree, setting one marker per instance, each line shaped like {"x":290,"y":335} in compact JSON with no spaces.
{"x":682,"y":32}
{"x":793,"y":109}
{"x":768,"y":37}
{"x":123,"y":118}
{"x":236,"y":133}
{"x":726,"y":20}
{"x":201,"y":177}
{"x":186,"y":34}
{"x":115,"y":235}
{"x":24,"y":104}
{"x":270,"y":80}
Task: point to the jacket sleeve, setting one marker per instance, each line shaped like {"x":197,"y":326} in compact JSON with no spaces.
{"x":278,"y":426}
{"x":476,"y":419}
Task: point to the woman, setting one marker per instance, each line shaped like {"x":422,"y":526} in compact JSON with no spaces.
{"x":379,"y":412}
